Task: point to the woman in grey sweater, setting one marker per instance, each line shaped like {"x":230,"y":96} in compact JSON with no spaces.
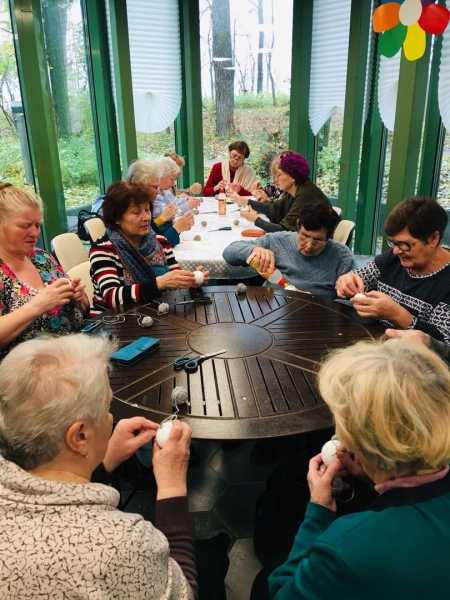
{"x":62,"y":535}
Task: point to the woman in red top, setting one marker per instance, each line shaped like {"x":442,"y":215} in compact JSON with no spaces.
{"x":231,"y":175}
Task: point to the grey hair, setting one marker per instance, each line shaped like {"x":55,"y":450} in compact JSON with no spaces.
{"x":167,"y":166}
{"x":141,"y":172}
{"x":46,"y":384}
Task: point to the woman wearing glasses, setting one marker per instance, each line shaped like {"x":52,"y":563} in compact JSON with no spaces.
{"x":232,"y":174}
{"x":408,"y":286}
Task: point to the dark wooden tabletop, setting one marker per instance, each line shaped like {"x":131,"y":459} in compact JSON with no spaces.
{"x":263,"y":386}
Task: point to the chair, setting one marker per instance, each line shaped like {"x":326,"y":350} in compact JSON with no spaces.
{"x":343,"y":232}
{"x":83,"y":272}
{"x":69,"y":250}
{"x":95,"y":228}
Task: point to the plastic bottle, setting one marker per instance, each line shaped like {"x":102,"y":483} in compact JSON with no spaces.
{"x":275,"y":277}
{"x":222,"y":201}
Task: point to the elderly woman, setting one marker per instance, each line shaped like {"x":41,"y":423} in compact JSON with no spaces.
{"x":62,"y":536}
{"x":147,"y":173}
{"x":130,"y":264}
{"x":391,"y":405}
{"x":409,"y":285}
{"x":35,"y":294}
{"x":232,"y":174}
{"x":169,"y":172}
{"x":271,"y":191}
{"x":298,"y":191}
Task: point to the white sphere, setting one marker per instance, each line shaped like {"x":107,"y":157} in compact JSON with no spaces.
{"x":199,"y":277}
{"x":358,"y":297}
{"x":180,"y":396}
{"x":163,"y":433}
{"x":328,"y":451}
{"x":241,"y":288}
{"x":163,"y":308}
{"x":146,"y":321}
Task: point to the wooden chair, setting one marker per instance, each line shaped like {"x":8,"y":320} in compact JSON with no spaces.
{"x":69,"y":250}
{"x":83,"y":272}
{"x":343,"y":232}
{"x":95,"y":228}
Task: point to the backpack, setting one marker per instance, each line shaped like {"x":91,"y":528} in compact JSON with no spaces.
{"x":83,"y":216}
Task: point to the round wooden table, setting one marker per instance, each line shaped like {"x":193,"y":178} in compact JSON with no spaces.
{"x":263,"y":386}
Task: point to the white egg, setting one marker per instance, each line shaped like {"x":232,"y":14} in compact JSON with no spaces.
{"x":358,"y":297}
{"x":163,"y":308}
{"x":241,"y":288}
{"x":146,"y":321}
{"x":199,"y":277}
{"x":163,"y":433}
{"x":328,"y":451}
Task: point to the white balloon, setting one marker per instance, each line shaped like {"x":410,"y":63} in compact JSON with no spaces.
{"x":328,"y":451}
{"x":199,"y":277}
{"x":410,"y":11}
{"x":163,"y":433}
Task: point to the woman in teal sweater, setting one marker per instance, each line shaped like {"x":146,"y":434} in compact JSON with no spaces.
{"x":391,"y":404}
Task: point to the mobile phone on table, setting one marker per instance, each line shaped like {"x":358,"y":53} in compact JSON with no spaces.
{"x":90,"y":326}
{"x":134,"y":351}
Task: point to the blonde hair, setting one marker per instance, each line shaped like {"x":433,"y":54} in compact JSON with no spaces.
{"x":168,"y":167}
{"x":14,"y":199}
{"x":66,"y":380}
{"x":141,"y":172}
{"x":177,"y":158}
{"x":391,"y":404}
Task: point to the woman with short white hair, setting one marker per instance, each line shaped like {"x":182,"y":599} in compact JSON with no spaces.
{"x":391,"y":405}
{"x":169,"y":173}
{"x":61,"y":534}
{"x":35,"y":294}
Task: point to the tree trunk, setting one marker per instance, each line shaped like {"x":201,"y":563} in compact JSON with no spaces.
{"x":224,"y":79}
{"x":55,"y":26}
{"x":260,"y":71}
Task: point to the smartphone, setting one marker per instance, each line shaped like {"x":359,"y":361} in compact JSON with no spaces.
{"x":131,"y":353}
{"x":89,"y":326}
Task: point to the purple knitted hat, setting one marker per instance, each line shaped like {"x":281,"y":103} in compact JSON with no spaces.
{"x":295,"y":165}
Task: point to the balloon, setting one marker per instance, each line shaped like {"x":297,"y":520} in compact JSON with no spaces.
{"x":434,"y":18}
{"x":385,"y":17}
{"x":410,"y":11}
{"x":391,"y":41}
{"x":415,"y":42}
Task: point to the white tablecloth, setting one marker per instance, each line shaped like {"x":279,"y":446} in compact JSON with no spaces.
{"x":208,"y":251}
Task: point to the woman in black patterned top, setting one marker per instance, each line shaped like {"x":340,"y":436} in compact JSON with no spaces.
{"x":407,"y":286}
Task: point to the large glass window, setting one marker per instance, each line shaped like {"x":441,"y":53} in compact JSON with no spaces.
{"x":15,"y":163}
{"x":444,"y":179}
{"x":246,"y":49}
{"x":66,"y":56}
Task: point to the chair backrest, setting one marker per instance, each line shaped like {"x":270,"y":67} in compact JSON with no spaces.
{"x":83,"y":272}
{"x":343,"y":231}
{"x":95,"y":228}
{"x":69,"y":250}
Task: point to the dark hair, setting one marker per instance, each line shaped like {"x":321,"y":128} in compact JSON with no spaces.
{"x":241,"y":147}
{"x":295,"y":165}
{"x":316,"y":215}
{"x":421,"y":215}
{"x":119,"y":197}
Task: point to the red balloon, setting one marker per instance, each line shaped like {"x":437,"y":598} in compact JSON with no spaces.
{"x":434,"y":18}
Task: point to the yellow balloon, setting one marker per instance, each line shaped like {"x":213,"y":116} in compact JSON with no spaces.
{"x":415,"y":42}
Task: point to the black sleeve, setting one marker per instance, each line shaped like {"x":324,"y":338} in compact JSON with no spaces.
{"x":441,"y":348}
{"x":149,"y":289}
{"x":173,"y":519}
{"x":268,"y":226}
{"x":101,"y":475}
{"x":264,"y":208}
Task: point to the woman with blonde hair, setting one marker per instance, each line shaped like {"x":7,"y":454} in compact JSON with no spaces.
{"x":391,"y":405}
{"x":35,"y":294}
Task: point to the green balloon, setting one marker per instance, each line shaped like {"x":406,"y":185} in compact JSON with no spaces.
{"x":391,"y":41}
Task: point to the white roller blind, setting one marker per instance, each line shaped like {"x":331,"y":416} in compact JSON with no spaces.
{"x":444,"y":78}
{"x":329,"y":55}
{"x":387,"y":89}
{"x":155,"y":55}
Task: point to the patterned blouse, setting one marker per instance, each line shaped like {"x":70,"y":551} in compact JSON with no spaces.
{"x":15,"y":293}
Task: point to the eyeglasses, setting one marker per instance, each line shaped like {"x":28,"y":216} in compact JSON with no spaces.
{"x":314,"y":241}
{"x":402,"y":246}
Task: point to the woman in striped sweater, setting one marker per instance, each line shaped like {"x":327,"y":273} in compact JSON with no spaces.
{"x":131,"y":263}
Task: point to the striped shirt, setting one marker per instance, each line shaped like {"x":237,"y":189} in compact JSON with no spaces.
{"x":110,"y":278}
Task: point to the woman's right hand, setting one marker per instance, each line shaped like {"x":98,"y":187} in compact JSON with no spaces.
{"x":220,"y":187}
{"x":55,"y":294}
{"x":320,"y":479}
{"x":260,"y":195}
{"x":349,"y":284}
{"x":170,"y":463}
{"x":169,"y":212}
{"x":184,"y":223}
{"x":176,"y":279}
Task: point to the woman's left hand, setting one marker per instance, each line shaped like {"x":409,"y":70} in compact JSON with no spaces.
{"x":79,"y":293}
{"x":381,"y":306}
{"x":320,"y":478}
{"x":128,"y":436}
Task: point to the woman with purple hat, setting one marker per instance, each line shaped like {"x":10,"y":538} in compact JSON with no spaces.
{"x":298,"y":190}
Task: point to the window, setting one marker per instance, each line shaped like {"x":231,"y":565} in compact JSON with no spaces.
{"x":65,"y":49}
{"x":15,"y":162}
{"x":246,"y":49}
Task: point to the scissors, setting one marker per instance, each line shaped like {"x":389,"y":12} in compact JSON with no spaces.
{"x":191,"y":363}
{"x":226,"y":228}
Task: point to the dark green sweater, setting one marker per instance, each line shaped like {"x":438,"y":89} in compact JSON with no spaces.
{"x":284,"y":211}
{"x":398,"y":549}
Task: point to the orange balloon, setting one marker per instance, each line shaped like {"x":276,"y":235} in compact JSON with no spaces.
{"x":385,"y":16}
